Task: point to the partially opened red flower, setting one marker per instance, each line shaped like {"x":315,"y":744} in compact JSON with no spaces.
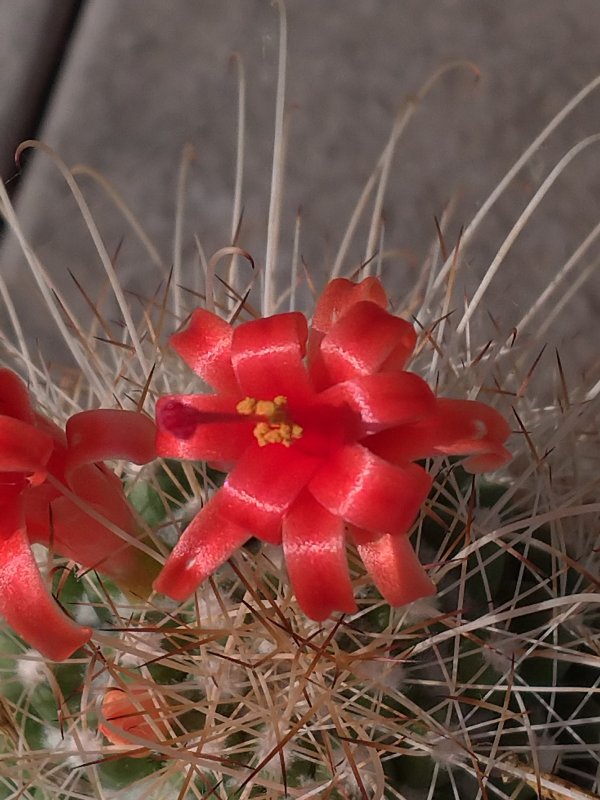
{"x":54,"y":489}
{"x":319,"y":428}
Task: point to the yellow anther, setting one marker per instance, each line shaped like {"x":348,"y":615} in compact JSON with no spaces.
{"x":266,"y":408}
{"x":278,"y":429}
{"x":281,"y":433}
{"x":246,"y":406}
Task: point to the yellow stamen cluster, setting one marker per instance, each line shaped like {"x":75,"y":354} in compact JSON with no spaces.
{"x":278,"y":429}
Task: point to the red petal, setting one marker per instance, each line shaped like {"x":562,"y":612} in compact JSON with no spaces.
{"x":76,"y":535}
{"x":267,"y":356}
{"x":315,"y":554}
{"x":59,"y":522}
{"x":14,"y":397}
{"x":394,"y":567}
{"x":97,"y":435}
{"x":207,"y":542}
{"x":58,"y":458}
{"x":101,"y":434}
{"x":103,"y":490}
{"x":383,"y":399}
{"x":363,"y":340}
{"x":326,"y":427}
{"x":205,"y":345}
{"x":339,"y":295}
{"x":369,"y":492}
{"x":263,"y":485}
{"x":23,"y":448}
{"x":93,"y":436}
{"x":25,"y":601}
{"x":459,"y":427}
{"x":202,"y":428}
{"x":12,"y":485}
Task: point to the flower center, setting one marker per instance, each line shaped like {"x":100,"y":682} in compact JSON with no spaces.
{"x":278,"y":427}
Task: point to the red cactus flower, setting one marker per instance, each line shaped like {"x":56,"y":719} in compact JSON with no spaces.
{"x":320,"y":428}
{"x":55,"y":490}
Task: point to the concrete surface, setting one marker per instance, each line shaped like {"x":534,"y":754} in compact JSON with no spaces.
{"x":32,"y":36}
{"x":144,"y":77}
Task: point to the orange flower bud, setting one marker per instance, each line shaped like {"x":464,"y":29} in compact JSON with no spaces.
{"x":134,"y":711}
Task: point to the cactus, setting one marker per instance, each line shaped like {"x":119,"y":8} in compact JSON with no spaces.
{"x":487,"y":689}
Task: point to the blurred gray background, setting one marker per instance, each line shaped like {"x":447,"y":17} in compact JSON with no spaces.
{"x":123,"y":86}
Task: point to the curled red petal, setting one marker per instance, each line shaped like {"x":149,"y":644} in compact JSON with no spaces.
{"x":315,"y":554}
{"x":207,"y":542}
{"x":14,"y":397}
{"x":394,"y":567}
{"x":458,"y":427}
{"x":262,"y":486}
{"x":337,"y":298}
{"x":339,"y":295}
{"x":93,"y":436}
{"x":104,"y":433}
{"x":384,"y":399}
{"x":205,"y":345}
{"x":369,"y":492}
{"x":201,"y":427}
{"x":363,"y":339}
{"x":23,"y":448}
{"x":267,"y":357}
{"x":25,"y":601}
{"x":480,"y":432}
